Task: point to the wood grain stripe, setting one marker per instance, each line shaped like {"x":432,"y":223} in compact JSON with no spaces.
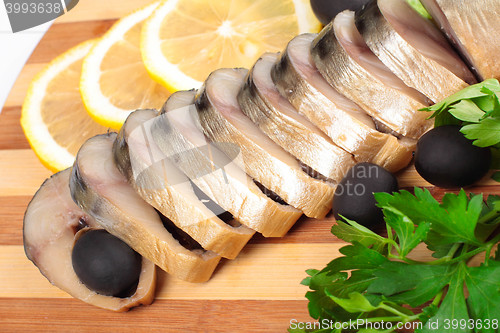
{"x":254,"y":274}
{"x":62,"y":36}
{"x":70,"y":315}
{"x":12,"y":134}
{"x":11,"y":216}
{"x":15,"y":164}
{"x":304,"y":231}
{"x":21,"y":173}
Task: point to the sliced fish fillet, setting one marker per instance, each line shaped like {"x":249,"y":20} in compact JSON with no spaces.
{"x":413,"y":49}
{"x":473,"y":27}
{"x":346,"y":62}
{"x":51,"y":225}
{"x":167,"y":189}
{"x":178,"y":136}
{"x":277,"y":118}
{"x":226,"y":125}
{"x":350,"y":127}
{"x":99,"y":188}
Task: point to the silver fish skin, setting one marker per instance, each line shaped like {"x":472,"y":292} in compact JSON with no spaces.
{"x":277,"y":118}
{"x":167,"y":189}
{"x":177,"y":133}
{"x":401,"y":38}
{"x":224,"y":123}
{"x":349,"y":126}
{"x":472,"y":26}
{"x":342,"y":57}
{"x":100,"y":190}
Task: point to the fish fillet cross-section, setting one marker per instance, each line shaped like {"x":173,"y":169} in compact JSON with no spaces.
{"x":99,"y":188}
{"x":263,"y":104}
{"x":167,"y":189}
{"x":472,"y":26}
{"x":226,"y":125}
{"x":52,"y":223}
{"x":413,"y":48}
{"x":346,"y":62}
{"x":178,"y":136}
{"x":350,"y":127}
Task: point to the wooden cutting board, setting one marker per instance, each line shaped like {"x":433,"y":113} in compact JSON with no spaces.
{"x":260,"y":291}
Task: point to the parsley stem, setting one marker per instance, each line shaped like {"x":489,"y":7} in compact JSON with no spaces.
{"x":452,"y":251}
{"x":464,"y":256}
{"x":401,"y":315}
{"x":390,"y":242}
{"x":437,"y":298}
{"x":488,"y":217}
{"x":443,"y":260}
{"x":488,"y":253}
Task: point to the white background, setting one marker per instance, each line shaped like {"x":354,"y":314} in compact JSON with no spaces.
{"x":15,"y":50}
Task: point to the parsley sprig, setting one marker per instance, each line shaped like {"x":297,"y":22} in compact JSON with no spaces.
{"x":376,"y":279}
{"x":477,"y":109}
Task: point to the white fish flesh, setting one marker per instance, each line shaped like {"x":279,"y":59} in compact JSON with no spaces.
{"x":167,"y":189}
{"x":98,"y":187}
{"x":413,"y":49}
{"x":349,"y":126}
{"x":277,"y":118}
{"x":226,"y":126}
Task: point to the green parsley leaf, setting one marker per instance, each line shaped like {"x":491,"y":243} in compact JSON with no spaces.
{"x":470,"y":93}
{"x":450,"y":222}
{"x":354,"y":232}
{"x":355,"y":303}
{"x":452,"y":307}
{"x":484,"y":291}
{"x":410,"y":284}
{"x":476,"y":108}
{"x":374,"y":279}
{"x":405,"y":230}
{"x":467,"y":110}
{"x":485,"y":133}
{"x":417,"y":5}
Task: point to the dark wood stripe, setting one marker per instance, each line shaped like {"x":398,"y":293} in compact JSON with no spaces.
{"x":11,"y":217}
{"x":12,"y":136}
{"x":64,"y":315}
{"x":62,"y":36}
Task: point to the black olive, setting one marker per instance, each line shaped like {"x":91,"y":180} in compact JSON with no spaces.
{"x":354,"y":195}
{"x":446,"y":158}
{"x":105,"y":264}
{"x":326,"y":10}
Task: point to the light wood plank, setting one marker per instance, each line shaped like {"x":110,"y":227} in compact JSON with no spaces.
{"x":21,"y":173}
{"x":260,"y":272}
{"x":304,"y":231}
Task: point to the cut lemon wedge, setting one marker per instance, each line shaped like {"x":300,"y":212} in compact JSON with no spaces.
{"x":184,"y":40}
{"x":114,"y":80}
{"x":53,"y":117}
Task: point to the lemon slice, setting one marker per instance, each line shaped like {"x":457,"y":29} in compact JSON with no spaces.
{"x":53,"y":117}
{"x":114,"y":80}
{"x":184,"y":40}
